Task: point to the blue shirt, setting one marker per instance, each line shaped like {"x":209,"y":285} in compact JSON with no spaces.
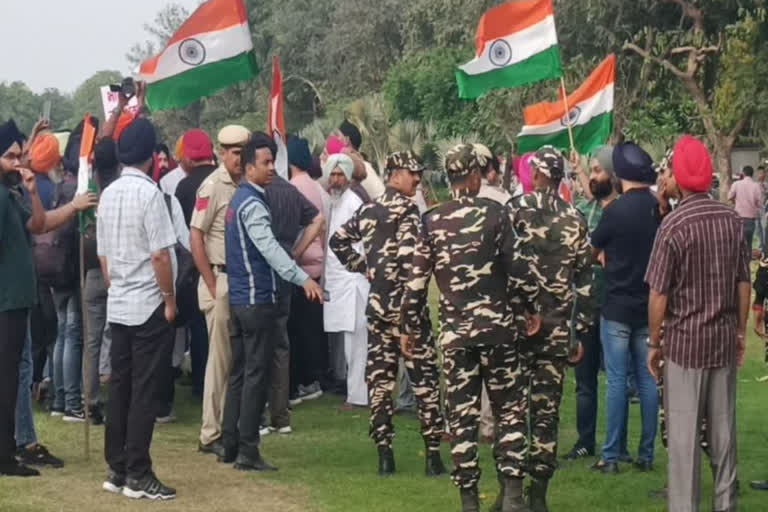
{"x":45,"y":189}
{"x":253,"y":253}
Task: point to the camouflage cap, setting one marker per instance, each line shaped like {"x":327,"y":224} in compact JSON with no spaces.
{"x":404,"y":160}
{"x":666,"y":162}
{"x":550,"y":162}
{"x":461,"y":160}
{"x":484,"y":155}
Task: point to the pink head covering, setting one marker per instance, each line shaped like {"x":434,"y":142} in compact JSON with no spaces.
{"x":334,"y":145}
{"x":525,"y":173}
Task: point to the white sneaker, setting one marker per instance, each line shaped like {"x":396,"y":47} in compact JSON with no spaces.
{"x":265,"y":431}
{"x":285,"y":430}
{"x":295,"y":401}
{"x":311,"y":392}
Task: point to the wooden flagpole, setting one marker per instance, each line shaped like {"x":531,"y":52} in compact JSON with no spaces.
{"x":567,"y":113}
{"x":86,"y":360}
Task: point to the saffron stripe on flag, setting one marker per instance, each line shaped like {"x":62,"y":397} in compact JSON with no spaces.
{"x":587,"y":137}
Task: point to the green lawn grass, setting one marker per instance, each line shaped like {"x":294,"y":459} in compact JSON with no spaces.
{"x":329,"y":465}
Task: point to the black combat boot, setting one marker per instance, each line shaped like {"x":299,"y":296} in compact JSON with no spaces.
{"x":538,"y":494}
{"x":470,"y":501}
{"x":434,"y":464}
{"x":512,"y":500}
{"x":386,"y":461}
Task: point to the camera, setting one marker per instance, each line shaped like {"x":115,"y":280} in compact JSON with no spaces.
{"x":127,"y":87}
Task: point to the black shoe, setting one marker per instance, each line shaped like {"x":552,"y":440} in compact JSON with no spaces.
{"x":216,"y":448}
{"x":659,"y":494}
{"x":95,"y":415}
{"x":38,"y":455}
{"x":512,"y":496}
{"x":759,"y":485}
{"x":228,"y":457}
{"x":386,"y":461}
{"x":626,"y":459}
{"x":537,"y":495}
{"x":579,"y":452}
{"x":114,"y":482}
{"x":608,"y":468}
{"x":644,"y":466}
{"x":434,"y":464}
{"x":470,"y":501}
{"x":74,"y":416}
{"x":148,"y":487}
{"x":16,"y":469}
{"x":244,"y":463}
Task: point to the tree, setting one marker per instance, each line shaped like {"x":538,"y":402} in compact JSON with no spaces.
{"x":17,"y":101}
{"x":714,"y":52}
{"x":87,"y":97}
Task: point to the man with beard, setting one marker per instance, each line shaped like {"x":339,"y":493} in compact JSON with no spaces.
{"x":21,"y":213}
{"x":600,"y":190}
{"x":388,"y":228}
{"x":344,"y":311}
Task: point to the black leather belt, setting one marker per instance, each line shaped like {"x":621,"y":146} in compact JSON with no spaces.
{"x":221,"y":268}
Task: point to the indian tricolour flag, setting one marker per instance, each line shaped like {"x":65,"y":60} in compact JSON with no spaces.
{"x":516,"y":45}
{"x":590,"y":116}
{"x":212,"y":50}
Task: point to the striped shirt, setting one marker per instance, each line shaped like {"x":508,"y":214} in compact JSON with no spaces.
{"x":698,"y":260}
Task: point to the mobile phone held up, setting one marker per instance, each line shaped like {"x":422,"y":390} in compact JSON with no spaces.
{"x":127,"y":87}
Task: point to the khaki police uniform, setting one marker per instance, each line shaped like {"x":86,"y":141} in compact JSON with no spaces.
{"x":209,"y":216}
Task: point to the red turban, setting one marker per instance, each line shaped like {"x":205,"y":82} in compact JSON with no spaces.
{"x":692,"y":165}
{"x":197,"y":145}
{"x":44,"y":154}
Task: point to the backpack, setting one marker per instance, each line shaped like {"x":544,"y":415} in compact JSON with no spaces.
{"x":186,"y":279}
{"x":56,"y":252}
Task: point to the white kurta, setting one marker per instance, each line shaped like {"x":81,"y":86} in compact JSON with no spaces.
{"x":345,"y":311}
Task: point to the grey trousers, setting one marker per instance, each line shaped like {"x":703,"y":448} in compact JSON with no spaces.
{"x":691,"y":395}
{"x":280,"y":388}
{"x":99,"y":339}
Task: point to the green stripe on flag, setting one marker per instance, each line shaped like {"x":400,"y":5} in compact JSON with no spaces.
{"x":542,"y":66}
{"x":182,"y":89}
{"x":587,"y":137}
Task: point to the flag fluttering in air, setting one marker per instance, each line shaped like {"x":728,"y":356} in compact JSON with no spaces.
{"x":86,"y":149}
{"x":211,"y":51}
{"x":516,"y":45}
{"x":276,"y":120}
{"x":590,"y":116}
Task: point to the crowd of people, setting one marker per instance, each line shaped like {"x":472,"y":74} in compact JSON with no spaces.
{"x":281,"y":288}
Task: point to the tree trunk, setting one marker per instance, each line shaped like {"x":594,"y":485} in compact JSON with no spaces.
{"x":722,"y":160}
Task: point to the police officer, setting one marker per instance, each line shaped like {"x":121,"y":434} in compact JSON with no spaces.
{"x":207,"y":243}
{"x":469,"y":245}
{"x":388,"y":228}
{"x":557,"y":235}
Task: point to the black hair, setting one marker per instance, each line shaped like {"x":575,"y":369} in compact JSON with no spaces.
{"x":748,"y":171}
{"x":105,"y":160}
{"x":352,"y":133}
{"x":162,"y":148}
{"x":259,"y":140}
{"x":761,"y":168}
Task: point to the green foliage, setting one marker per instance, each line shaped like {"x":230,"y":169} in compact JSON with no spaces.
{"x":87,"y":97}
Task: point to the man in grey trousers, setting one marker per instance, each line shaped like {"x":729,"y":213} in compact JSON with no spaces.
{"x":700,"y":290}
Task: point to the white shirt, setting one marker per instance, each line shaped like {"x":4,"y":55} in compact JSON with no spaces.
{"x":341,"y":313}
{"x":133,"y":223}
{"x":170,"y":181}
{"x":372,"y":183}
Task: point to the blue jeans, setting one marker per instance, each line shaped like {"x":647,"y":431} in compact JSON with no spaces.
{"x":25,"y":421}
{"x":68,"y":352}
{"x":620,"y":340}
{"x":760,"y":232}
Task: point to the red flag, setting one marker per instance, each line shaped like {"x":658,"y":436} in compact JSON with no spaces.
{"x":276,"y":120}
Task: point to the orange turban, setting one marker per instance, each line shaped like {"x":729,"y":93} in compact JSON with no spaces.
{"x":178,"y":152}
{"x":122,"y":123}
{"x":44,"y":153}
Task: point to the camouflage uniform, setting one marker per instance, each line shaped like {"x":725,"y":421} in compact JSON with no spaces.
{"x":388,"y":229}
{"x":469,"y":245}
{"x":561,"y":258}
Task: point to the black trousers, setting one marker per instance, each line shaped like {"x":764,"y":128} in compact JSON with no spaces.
{"x":253,"y":337}
{"x":586,"y":387}
{"x":43,"y":328}
{"x":13,"y":332}
{"x":309,"y":342}
{"x":140,"y":356}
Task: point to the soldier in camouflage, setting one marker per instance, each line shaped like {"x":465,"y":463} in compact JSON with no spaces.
{"x":469,"y":245}
{"x":562,"y":260}
{"x":388,"y":229}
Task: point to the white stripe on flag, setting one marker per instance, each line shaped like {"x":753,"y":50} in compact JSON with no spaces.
{"x":281,"y":160}
{"x":588,"y":109}
{"x":521,"y":46}
{"x":216,"y":46}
